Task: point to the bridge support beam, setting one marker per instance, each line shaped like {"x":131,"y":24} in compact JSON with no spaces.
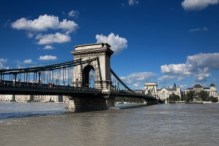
{"x":149,"y":102}
{"x":79,"y":104}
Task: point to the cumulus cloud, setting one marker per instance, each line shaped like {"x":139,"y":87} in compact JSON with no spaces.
{"x":166,"y":78}
{"x":68,"y":26}
{"x":199,"y":29}
{"x":43,"y":23}
{"x":117,"y":43}
{"x":133,"y":2}
{"x":52,"y":38}
{"x":198,"y":4}
{"x":202,"y":61}
{"x":2,"y":61}
{"x":136,"y":85}
{"x":48,"y":47}
{"x":28,"y":61}
{"x":73,"y":13}
{"x":198,"y":65}
{"x":175,"y":69}
{"x":137,"y":78}
{"x":202,"y":74}
{"x":47,"y":57}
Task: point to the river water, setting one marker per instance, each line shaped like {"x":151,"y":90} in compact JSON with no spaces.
{"x":48,"y":124}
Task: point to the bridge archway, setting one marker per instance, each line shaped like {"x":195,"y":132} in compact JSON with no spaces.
{"x":88,"y":77}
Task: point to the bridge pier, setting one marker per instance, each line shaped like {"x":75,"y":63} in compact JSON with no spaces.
{"x":150,"y":102}
{"x":13,"y":97}
{"x":78,"y":104}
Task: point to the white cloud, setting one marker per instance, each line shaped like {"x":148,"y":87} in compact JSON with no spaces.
{"x":198,"y":4}
{"x":135,"y":78}
{"x":117,"y":43}
{"x":2,"y":61}
{"x":133,"y":2}
{"x":52,"y":38}
{"x":28,"y":61}
{"x":43,"y":23}
{"x":175,"y":69}
{"x":202,"y":75}
{"x":136,"y":85}
{"x":47,"y":57}
{"x":68,"y":25}
{"x":202,"y":61}
{"x":198,"y":65}
{"x":73,"y":13}
{"x":48,"y":47}
{"x":199,"y":29}
{"x":166,"y":78}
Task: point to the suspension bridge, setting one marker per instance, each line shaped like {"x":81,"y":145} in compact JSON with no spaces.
{"x":88,"y":80}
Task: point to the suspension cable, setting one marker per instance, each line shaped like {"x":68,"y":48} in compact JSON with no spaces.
{"x":120,"y":81}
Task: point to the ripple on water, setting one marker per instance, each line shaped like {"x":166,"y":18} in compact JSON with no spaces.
{"x":165,"y":125}
{"x":21,"y":110}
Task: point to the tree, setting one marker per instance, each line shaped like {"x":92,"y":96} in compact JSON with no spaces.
{"x":213,"y":99}
{"x":173,"y":98}
{"x":183,"y":96}
{"x":190,"y":96}
{"x":202,"y":95}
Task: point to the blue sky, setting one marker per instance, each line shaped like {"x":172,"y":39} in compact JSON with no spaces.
{"x":164,"y":41}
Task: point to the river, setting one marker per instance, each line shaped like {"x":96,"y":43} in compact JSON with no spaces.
{"x":48,"y":124}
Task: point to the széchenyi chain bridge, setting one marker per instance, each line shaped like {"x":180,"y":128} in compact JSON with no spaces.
{"x":90,"y":61}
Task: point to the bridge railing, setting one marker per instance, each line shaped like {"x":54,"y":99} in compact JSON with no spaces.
{"x":11,"y":84}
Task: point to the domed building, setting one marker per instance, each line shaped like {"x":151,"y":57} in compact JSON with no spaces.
{"x":212,"y":90}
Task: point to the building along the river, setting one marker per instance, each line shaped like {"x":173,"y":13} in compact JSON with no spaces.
{"x":165,"y":92}
{"x":162,"y":93}
{"x":211,"y":90}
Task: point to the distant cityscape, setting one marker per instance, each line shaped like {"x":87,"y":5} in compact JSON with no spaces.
{"x":34,"y":98}
{"x":193,"y":94}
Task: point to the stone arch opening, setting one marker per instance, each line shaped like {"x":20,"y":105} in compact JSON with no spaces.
{"x":88,"y":76}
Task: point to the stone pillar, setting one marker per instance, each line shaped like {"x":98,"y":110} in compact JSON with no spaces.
{"x":13,"y":97}
{"x":31,"y":98}
{"x":110,"y":102}
{"x":78,"y":104}
{"x":71,"y":105}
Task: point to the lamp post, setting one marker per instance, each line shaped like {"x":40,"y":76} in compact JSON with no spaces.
{"x":39,"y":74}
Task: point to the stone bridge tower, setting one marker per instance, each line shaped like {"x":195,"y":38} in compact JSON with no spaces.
{"x":101,"y":54}
{"x":101,"y":66}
